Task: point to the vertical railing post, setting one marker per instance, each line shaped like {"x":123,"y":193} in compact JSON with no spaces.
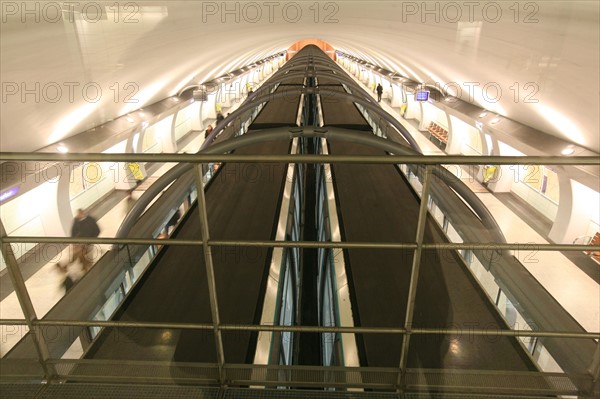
{"x":129,"y":256}
{"x":210,"y":273}
{"x":414,"y":278}
{"x":595,"y":366}
{"x":26,"y":305}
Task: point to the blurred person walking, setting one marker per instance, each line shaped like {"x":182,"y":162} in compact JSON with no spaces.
{"x":83,"y":226}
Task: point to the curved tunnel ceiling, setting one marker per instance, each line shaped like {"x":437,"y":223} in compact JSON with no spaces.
{"x":538,"y":61}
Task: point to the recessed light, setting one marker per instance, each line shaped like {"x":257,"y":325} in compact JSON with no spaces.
{"x":481,"y":115}
{"x":495,"y":120}
{"x":130,"y":119}
{"x":62,"y":148}
{"x":448,"y":99}
{"x":568,"y":151}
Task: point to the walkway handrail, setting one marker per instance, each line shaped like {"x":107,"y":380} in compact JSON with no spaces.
{"x":261,"y":137}
{"x":252,"y":102}
{"x":342,"y":76}
{"x":287,"y":158}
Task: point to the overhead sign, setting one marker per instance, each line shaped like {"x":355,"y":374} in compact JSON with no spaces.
{"x":422,"y":96}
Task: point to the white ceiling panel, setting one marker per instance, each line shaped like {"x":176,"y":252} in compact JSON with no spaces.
{"x":538,"y":61}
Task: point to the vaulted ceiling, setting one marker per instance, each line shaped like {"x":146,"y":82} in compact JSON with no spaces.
{"x":65,"y":71}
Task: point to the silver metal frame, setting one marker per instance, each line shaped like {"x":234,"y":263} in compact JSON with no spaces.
{"x":210,"y":272}
{"x":293,"y":375}
{"x":414,"y":277}
{"x":303,"y":158}
{"x":49,"y":364}
{"x":26,"y":304}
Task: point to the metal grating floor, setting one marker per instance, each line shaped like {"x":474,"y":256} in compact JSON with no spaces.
{"x":20,"y":391}
{"x":240,"y":393}
{"x":121,"y":391}
{"x":463,"y":396}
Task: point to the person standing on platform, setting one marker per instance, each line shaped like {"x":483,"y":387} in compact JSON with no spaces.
{"x":379,"y":92}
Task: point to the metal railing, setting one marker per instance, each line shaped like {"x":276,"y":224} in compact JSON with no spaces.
{"x":402,"y":372}
{"x":405,"y":381}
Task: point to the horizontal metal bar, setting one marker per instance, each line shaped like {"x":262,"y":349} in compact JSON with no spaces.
{"x":298,"y":367}
{"x":232,"y":367}
{"x":223,"y":243}
{"x":13,"y":322}
{"x":319,"y":329}
{"x":514,"y":246}
{"x":99,"y":240}
{"x":303,"y":158}
{"x":314,"y":244}
{"x":399,"y":330}
{"x":301,"y":244}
